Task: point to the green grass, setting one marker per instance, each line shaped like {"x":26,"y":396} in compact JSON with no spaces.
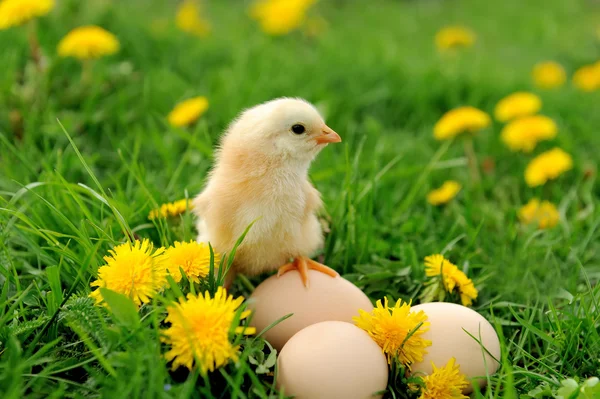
{"x":67,"y":195}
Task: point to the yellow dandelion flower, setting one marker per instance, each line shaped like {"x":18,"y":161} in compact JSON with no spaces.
{"x":18,"y":12}
{"x":436,"y":265}
{"x":548,"y":75}
{"x":396,"y":330}
{"x":88,"y":42}
{"x":460,"y":120}
{"x":193,"y":257}
{"x":445,"y":193}
{"x":587,"y":78}
{"x":159,"y":213}
{"x":452,"y":278}
{"x":133,"y":270}
{"x":171,"y":209}
{"x":523,"y":134}
{"x":466,"y":289}
{"x":280,"y":17}
{"x":547,"y":166}
{"x":517,"y":105}
{"x":189,"y":19}
{"x":544,"y":214}
{"x":188,"y":111}
{"x":178,"y":207}
{"x":452,"y":37}
{"x":445,"y":382}
{"x":201,"y":330}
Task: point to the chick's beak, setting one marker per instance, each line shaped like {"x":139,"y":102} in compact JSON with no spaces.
{"x":327,"y":136}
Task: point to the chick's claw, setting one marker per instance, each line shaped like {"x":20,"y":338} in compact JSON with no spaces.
{"x":286,"y":268}
{"x":322,"y":268}
{"x":303,"y":265}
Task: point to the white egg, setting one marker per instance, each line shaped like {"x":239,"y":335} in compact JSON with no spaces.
{"x":450,"y":326}
{"x":332,"y":360}
{"x":326,"y":298}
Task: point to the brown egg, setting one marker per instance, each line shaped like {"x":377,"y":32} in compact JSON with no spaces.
{"x":332,"y":360}
{"x":326,"y":298}
{"x":448,"y":323}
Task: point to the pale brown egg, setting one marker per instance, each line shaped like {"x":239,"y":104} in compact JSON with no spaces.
{"x":332,"y":360}
{"x":326,"y":298}
{"x":449,"y":324}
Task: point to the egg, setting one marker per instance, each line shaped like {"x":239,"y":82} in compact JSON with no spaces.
{"x":332,"y":360}
{"x":448,"y":323}
{"x":325,"y":298}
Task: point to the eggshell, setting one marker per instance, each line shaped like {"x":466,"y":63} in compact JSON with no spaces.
{"x":326,"y":298}
{"x":448,"y":323}
{"x":332,"y":360}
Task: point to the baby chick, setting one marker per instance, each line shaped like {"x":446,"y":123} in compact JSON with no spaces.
{"x":260,"y":175}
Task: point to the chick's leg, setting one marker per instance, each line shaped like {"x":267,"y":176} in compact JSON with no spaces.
{"x":303,"y":265}
{"x":299,"y":264}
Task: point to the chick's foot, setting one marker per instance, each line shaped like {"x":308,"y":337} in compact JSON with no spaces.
{"x":303,"y":265}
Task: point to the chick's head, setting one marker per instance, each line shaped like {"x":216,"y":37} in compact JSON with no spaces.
{"x":283,"y":128}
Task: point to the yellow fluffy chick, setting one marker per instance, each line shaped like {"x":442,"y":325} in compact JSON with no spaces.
{"x":261,"y":175}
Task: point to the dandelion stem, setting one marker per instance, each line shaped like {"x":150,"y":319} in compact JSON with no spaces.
{"x":34,"y":44}
{"x":472,"y":159}
{"x":246,"y":283}
{"x":547,"y":191}
{"x":86,"y":72}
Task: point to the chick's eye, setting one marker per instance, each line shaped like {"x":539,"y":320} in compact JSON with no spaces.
{"x":298,"y":129}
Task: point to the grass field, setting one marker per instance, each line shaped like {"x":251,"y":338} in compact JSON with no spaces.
{"x":83,"y":161}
